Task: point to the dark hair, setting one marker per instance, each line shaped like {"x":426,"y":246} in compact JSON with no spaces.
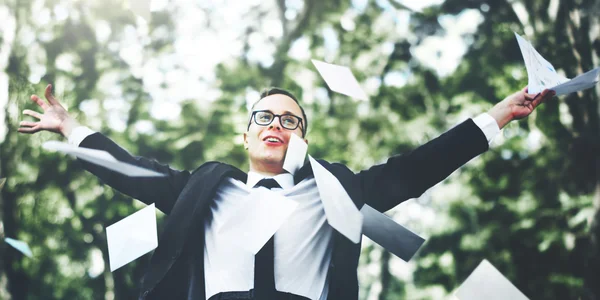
{"x":275,"y":91}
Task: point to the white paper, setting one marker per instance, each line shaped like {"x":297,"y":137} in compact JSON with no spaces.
{"x":542,"y":75}
{"x":141,"y":8}
{"x":486,"y":282}
{"x":132,"y":237}
{"x":257,"y":219}
{"x":340,"y":79}
{"x":579,"y":83}
{"x":20,"y":246}
{"x":295,"y":155}
{"x":2,"y":182}
{"x":101,"y":158}
{"x":390,"y":235}
{"x":341,"y":212}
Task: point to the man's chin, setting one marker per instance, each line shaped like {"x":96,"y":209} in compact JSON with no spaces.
{"x":272,"y":160}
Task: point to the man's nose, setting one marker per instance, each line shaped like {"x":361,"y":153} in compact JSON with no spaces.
{"x":276,"y":123}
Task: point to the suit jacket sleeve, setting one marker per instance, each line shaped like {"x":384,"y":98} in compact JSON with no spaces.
{"x":163,"y":191}
{"x":409,"y":175}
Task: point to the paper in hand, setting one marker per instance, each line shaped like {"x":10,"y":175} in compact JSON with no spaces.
{"x":101,"y":158}
{"x":340,"y":79}
{"x":2,"y":182}
{"x":486,"y":282}
{"x":295,"y":155}
{"x":132,"y":237}
{"x":20,"y":246}
{"x":542,"y":75}
{"x":340,"y":210}
{"x":257,"y":219}
{"x":390,"y":235}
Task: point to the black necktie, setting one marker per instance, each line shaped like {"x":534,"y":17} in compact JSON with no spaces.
{"x":264,"y":270}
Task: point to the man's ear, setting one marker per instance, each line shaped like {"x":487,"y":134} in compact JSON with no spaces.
{"x":246,"y":140}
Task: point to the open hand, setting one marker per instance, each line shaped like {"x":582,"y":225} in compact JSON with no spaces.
{"x":55,"y":117}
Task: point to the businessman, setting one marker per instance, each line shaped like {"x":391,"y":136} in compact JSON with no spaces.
{"x":306,"y":258}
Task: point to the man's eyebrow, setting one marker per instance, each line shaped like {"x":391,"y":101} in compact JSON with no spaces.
{"x":257,"y":110}
{"x":284,"y":112}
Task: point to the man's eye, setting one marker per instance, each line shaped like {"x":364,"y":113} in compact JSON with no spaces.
{"x":289,"y":121}
{"x":264,"y":117}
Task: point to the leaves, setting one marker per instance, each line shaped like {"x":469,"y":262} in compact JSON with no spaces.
{"x":526,"y":204}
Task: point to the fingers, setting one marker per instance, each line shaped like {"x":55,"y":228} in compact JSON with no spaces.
{"x":32,"y":113}
{"x":528,"y":96}
{"x":28,"y":130}
{"x":28,"y":124}
{"x":542,"y":97}
{"x":39,"y":102}
{"x":49,"y":96}
{"x":545,"y":95}
{"x":28,"y":127}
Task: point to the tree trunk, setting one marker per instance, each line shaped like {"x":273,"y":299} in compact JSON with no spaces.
{"x":386,"y":276}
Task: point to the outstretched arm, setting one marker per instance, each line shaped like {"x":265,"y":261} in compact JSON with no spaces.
{"x":160,"y":190}
{"x":409,"y":175}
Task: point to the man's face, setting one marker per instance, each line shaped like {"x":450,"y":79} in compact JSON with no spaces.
{"x":268,"y":144}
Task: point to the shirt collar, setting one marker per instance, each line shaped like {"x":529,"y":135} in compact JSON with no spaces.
{"x":285,"y":180}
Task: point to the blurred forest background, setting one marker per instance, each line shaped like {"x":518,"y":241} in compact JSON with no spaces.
{"x":176,"y":88}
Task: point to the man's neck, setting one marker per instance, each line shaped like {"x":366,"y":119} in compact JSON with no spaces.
{"x":268,"y":173}
{"x":268,"y":170}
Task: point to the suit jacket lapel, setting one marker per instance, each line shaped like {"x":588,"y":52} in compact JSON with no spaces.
{"x":210,"y":181}
{"x":303,"y":173}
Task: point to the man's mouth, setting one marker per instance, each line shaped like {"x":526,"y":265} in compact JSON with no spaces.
{"x":272,"y":139}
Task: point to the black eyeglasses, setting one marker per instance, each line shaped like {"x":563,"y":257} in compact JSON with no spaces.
{"x":265,"y":117}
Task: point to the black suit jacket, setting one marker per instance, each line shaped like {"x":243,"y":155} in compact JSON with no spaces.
{"x":176,"y":269}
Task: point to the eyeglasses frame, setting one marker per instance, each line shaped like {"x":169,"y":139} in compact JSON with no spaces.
{"x":300,"y":124}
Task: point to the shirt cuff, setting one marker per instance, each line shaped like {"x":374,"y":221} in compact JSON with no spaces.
{"x":488,"y":126}
{"x":79,"y":134}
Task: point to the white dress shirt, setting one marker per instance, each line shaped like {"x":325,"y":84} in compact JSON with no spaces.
{"x":302,"y":252}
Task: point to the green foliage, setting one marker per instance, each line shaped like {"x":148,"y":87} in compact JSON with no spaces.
{"x":527,"y":205}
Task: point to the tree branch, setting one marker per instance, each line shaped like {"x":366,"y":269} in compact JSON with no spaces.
{"x":276,"y":70}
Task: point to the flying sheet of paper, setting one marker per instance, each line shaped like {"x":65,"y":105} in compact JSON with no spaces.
{"x":141,"y":8}
{"x":340,"y":210}
{"x":132,"y":237}
{"x":101,"y":158}
{"x":2,"y":182}
{"x":20,"y":246}
{"x":389,"y":234}
{"x":340,"y":79}
{"x":542,"y":74}
{"x":486,"y":282}
{"x":295,"y":155}
{"x":257,"y":219}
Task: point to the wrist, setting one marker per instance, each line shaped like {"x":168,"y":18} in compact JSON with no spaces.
{"x":67,"y":126}
{"x":502,"y":114}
